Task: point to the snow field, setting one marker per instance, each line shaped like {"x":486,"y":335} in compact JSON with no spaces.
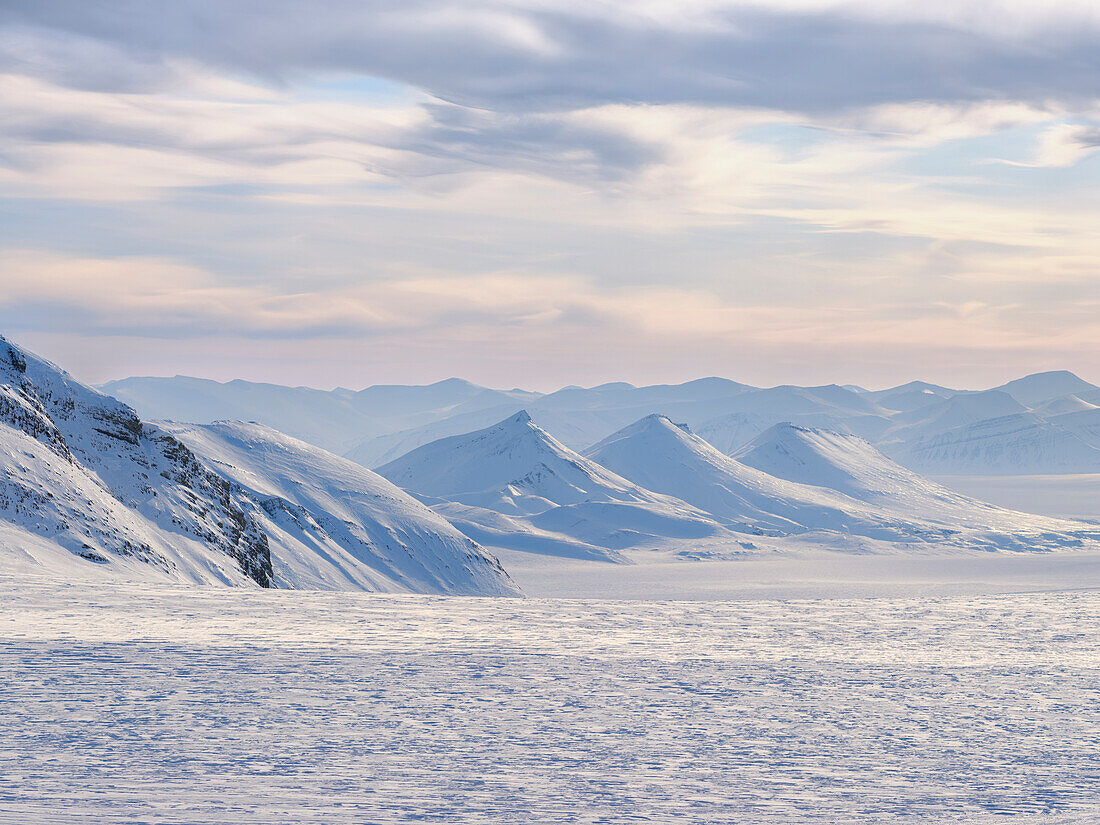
{"x":127,"y":703}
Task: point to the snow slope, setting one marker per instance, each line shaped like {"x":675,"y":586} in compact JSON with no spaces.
{"x":1023,"y":443}
{"x":516,"y":470}
{"x":1063,"y":405}
{"x":850,"y":465}
{"x":664,"y":456}
{"x":100,"y":488}
{"x":821,"y":481}
{"x":89,"y":491}
{"x":956,"y":411}
{"x":334,"y":525}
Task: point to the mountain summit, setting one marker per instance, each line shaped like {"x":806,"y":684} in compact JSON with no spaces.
{"x":796,"y":480}
{"x":515,"y":486}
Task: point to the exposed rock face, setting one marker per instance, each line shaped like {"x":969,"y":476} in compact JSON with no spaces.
{"x":335,"y":525}
{"x":82,"y":469}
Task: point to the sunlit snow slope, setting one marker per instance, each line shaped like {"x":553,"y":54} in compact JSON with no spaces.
{"x":515,"y":486}
{"x":333,"y":524}
{"x":799,"y":480}
{"x":89,"y":491}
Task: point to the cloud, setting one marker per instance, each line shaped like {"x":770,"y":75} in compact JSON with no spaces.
{"x":1067,"y":144}
{"x":546,"y":177}
{"x":543,"y":56}
{"x":157,"y":297}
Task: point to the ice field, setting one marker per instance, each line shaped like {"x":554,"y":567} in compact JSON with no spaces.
{"x":136,"y":703}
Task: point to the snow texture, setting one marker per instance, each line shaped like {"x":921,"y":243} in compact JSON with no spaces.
{"x":334,"y":525}
{"x":172,"y":705}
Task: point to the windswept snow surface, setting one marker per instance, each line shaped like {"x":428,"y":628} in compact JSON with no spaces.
{"x":168,"y":706}
{"x":333,"y":524}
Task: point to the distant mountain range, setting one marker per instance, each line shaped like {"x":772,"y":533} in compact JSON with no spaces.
{"x":656,"y":486}
{"x":1043,"y":423}
{"x":91,"y":490}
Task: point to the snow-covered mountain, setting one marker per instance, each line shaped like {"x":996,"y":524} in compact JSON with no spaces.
{"x":1022,"y":443}
{"x":89,"y":490}
{"x":911,"y":396}
{"x":334,"y":525}
{"x":956,"y":411}
{"x":379,"y":424}
{"x":667,"y":457}
{"x":1063,"y":405}
{"x":850,"y":465}
{"x":513,"y":485}
{"x":1033,"y":390}
{"x":101,"y":493}
{"x":831,"y":459}
{"x":654,"y":485}
{"x":335,"y":420}
{"x":801,"y":481}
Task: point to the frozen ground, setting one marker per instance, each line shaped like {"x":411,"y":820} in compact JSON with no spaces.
{"x":171,"y":705}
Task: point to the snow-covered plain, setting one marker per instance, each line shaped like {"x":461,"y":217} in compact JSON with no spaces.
{"x":161,"y":704}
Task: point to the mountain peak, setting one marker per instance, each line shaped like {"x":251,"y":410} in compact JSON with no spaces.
{"x":825,"y":458}
{"x":655,"y":425}
{"x":664,"y":421}
{"x":1043,"y":386}
{"x":514,"y":453}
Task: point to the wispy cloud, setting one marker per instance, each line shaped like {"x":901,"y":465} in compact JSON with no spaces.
{"x":719,"y":177}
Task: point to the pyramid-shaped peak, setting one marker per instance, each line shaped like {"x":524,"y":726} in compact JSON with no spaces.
{"x":816,"y":440}
{"x":515,"y":451}
{"x":653,"y":432}
{"x":825,"y":458}
{"x":653,"y":424}
{"x":519,"y":422}
{"x":662,"y":421}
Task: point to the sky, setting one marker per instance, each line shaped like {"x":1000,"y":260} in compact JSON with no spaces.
{"x":539,"y":193}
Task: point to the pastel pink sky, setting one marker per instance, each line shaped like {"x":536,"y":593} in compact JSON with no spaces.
{"x":529,"y":194}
